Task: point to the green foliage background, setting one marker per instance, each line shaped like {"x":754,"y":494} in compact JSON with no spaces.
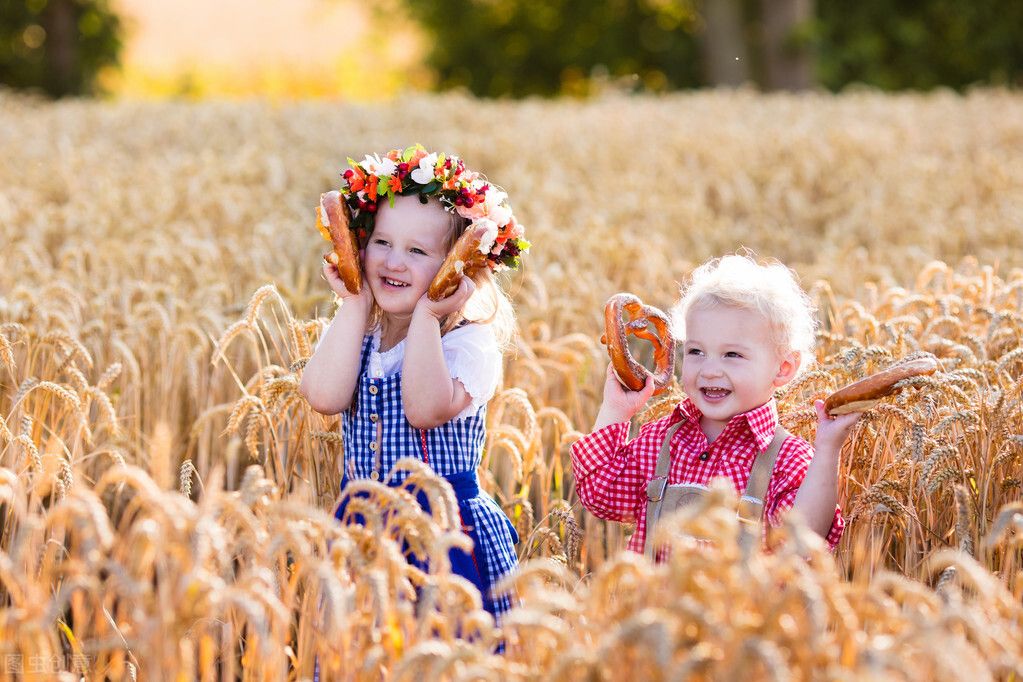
{"x":519,"y":48}
{"x":28,"y":44}
{"x":912,"y":44}
{"x":523,"y":47}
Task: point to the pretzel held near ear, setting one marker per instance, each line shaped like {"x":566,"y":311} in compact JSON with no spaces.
{"x":332,"y":222}
{"x":467,"y":257}
{"x":630,"y":373}
{"x":865,"y":393}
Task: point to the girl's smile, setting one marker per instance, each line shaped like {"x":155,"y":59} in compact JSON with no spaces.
{"x":405,"y":251}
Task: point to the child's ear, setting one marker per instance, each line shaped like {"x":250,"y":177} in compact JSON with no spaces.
{"x":788,"y":367}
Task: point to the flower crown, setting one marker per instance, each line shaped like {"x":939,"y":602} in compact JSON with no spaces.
{"x":414,"y":171}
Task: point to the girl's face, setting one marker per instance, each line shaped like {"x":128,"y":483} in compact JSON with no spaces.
{"x":730,"y":364}
{"x":405,"y":251}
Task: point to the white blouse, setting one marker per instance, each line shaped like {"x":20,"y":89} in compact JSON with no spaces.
{"x":470,"y":352}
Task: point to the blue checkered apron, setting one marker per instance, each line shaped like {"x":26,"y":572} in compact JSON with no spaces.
{"x":454,"y":450}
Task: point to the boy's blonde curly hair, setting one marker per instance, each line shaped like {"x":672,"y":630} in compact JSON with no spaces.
{"x":769,"y":288}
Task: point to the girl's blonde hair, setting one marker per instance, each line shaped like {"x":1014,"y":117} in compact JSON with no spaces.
{"x":488,"y":305}
{"x":769,"y":288}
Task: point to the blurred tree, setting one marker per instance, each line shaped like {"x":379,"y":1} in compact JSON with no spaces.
{"x":524,"y":47}
{"x":722,"y":42}
{"x":788,"y":64}
{"x":896,"y":44}
{"x":58,"y":46}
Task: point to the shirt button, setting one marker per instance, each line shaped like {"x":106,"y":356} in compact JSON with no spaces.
{"x":373,"y":418}
{"x":704,"y":456}
{"x":373,"y":446}
{"x":374,"y":475}
{"x":373,"y":390}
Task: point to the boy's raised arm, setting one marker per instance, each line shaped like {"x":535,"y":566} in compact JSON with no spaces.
{"x":817,"y":497}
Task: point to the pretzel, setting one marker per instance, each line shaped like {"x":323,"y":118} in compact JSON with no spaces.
{"x":630,"y":373}
{"x":332,"y":222}
{"x":865,"y":393}
{"x":467,"y":257}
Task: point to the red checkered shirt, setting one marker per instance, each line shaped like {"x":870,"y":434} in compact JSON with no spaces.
{"x":611,"y":474}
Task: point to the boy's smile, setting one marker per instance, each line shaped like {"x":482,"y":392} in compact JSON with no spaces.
{"x":730,"y":363}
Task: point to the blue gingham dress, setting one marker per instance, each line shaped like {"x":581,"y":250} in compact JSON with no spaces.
{"x":454,"y":450}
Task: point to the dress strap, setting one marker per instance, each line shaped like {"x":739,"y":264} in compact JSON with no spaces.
{"x":367,"y":344}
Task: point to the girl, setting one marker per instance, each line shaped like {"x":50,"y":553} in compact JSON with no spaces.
{"x":412,"y":376}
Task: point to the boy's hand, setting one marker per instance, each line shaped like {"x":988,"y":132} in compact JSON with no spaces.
{"x":446,"y":306}
{"x":619,"y":402}
{"x":833,"y":431}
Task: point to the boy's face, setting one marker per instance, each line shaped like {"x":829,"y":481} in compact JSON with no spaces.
{"x":730,"y":364}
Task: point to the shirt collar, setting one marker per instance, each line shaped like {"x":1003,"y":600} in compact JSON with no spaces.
{"x":761,"y":421}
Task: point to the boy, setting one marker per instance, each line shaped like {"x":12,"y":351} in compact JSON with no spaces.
{"x":745,"y":330}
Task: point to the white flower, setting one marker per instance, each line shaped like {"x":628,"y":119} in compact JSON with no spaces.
{"x":489,"y":236}
{"x":424,"y":174}
{"x":382,"y":168}
{"x":497,"y":212}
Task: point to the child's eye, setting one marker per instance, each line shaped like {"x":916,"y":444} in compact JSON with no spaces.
{"x":694,"y":351}
{"x":733,"y":354}
{"x":419,"y":251}
{"x":381,"y":242}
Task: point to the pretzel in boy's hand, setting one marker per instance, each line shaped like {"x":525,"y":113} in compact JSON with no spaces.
{"x":865,"y":393}
{"x":332,"y":222}
{"x":630,"y":373}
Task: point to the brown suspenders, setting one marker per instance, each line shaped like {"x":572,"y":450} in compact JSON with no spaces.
{"x":661,"y":496}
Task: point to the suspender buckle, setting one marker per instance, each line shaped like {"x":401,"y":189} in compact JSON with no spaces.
{"x":655,"y":488}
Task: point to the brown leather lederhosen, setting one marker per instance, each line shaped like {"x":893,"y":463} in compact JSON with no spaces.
{"x":661,"y":496}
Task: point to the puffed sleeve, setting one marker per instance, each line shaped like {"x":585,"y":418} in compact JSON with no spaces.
{"x":474,"y":359}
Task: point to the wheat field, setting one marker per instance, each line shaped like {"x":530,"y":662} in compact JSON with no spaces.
{"x":167,"y":495}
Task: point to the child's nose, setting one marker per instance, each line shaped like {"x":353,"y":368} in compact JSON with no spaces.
{"x":394,"y":261}
{"x":710,"y":368}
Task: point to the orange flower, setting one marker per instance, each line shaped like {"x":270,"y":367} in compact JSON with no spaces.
{"x":416,"y":158}
{"x":394,"y":155}
{"x":371,"y":188}
{"x":394,"y":183}
{"x":358,"y":181}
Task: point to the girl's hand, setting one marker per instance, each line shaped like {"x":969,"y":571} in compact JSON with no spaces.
{"x":446,"y":306}
{"x":833,"y":431}
{"x":333,"y":279}
{"x":619,"y":402}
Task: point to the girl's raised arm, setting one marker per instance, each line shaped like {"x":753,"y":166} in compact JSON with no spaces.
{"x":330,"y":377}
{"x":429,"y":395}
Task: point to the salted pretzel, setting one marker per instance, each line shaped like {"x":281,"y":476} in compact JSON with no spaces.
{"x":467,"y":257}
{"x":865,"y":393}
{"x":630,"y":373}
{"x":332,"y":222}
